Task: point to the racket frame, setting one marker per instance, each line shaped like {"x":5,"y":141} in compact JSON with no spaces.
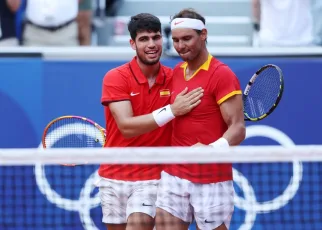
{"x":100,"y":128}
{"x":279,"y":96}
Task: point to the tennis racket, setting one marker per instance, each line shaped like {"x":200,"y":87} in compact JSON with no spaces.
{"x":263,"y":93}
{"x":73,"y":132}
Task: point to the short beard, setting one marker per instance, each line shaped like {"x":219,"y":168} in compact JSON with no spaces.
{"x":145,"y":62}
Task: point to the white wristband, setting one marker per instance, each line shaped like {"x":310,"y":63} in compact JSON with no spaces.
{"x":220,"y":143}
{"x":163,"y":115}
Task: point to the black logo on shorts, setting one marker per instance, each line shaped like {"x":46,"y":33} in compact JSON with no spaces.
{"x":143,"y":204}
{"x":207,"y":221}
{"x":164,"y":109}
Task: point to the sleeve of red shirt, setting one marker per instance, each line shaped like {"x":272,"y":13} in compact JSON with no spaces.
{"x":115,"y":87}
{"x":226,"y":84}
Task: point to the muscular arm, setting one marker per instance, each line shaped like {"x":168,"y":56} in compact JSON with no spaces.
{"x":232,"y":112}
{"x":13,"y":5}
{"x":129,"y":125}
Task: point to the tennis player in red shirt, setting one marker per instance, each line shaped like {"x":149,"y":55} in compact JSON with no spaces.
{"x":201,"y":191}
{"x":136,"y":97}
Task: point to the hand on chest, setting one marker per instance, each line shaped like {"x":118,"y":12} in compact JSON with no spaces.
{"x":208,"y":101}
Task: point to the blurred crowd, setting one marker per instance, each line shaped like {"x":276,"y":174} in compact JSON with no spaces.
{"x":71,"y":22}
{"x":287,"y":22}
{"x":51,"y":22}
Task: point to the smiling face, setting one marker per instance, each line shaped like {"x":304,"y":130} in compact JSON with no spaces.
{"x":148,"y":47}
{"x":188,"y":42}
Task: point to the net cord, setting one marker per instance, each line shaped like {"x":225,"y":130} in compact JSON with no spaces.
{"x":162,"y":155}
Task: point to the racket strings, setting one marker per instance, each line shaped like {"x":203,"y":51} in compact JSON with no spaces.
{"x":73,"y":133}
{"x":263,"y":93}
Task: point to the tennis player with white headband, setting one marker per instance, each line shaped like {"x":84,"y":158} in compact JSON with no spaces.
{"x":138,"y":113}
{"x":201,"y":191}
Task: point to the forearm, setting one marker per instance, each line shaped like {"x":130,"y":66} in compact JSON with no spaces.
{"x":235,"y":134}
{"x":135,"y":126}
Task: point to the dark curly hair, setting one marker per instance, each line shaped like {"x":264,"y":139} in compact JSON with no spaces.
{"x":143,"y":22}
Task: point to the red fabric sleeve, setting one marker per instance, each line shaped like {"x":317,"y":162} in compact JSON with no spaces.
{"x":115,"y":87}
{"x":225,"y":85}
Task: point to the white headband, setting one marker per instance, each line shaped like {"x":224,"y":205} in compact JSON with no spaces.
{"x":189,"y":23}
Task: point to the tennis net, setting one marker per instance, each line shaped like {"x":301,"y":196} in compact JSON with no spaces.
{"x":275,"y":187}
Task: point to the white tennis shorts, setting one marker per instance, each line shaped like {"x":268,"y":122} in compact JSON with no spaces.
{"x":209,"y":204}
{"x":119,"y":199}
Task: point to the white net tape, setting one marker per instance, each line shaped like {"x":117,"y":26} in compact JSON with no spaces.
{"x":149,"y":155}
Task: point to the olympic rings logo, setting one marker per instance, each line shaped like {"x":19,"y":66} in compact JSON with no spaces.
{"x":249,"y":203}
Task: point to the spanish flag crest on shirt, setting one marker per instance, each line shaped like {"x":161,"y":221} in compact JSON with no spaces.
{"x":165,"y":92}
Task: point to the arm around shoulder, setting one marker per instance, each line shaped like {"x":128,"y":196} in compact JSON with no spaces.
{"x":116,"y":95}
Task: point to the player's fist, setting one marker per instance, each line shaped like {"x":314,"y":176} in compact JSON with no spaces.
{"x":186,"y":101}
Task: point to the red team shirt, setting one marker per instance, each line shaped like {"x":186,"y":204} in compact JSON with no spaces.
{"x":127,"y":82}
{"x":205,"y":123}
